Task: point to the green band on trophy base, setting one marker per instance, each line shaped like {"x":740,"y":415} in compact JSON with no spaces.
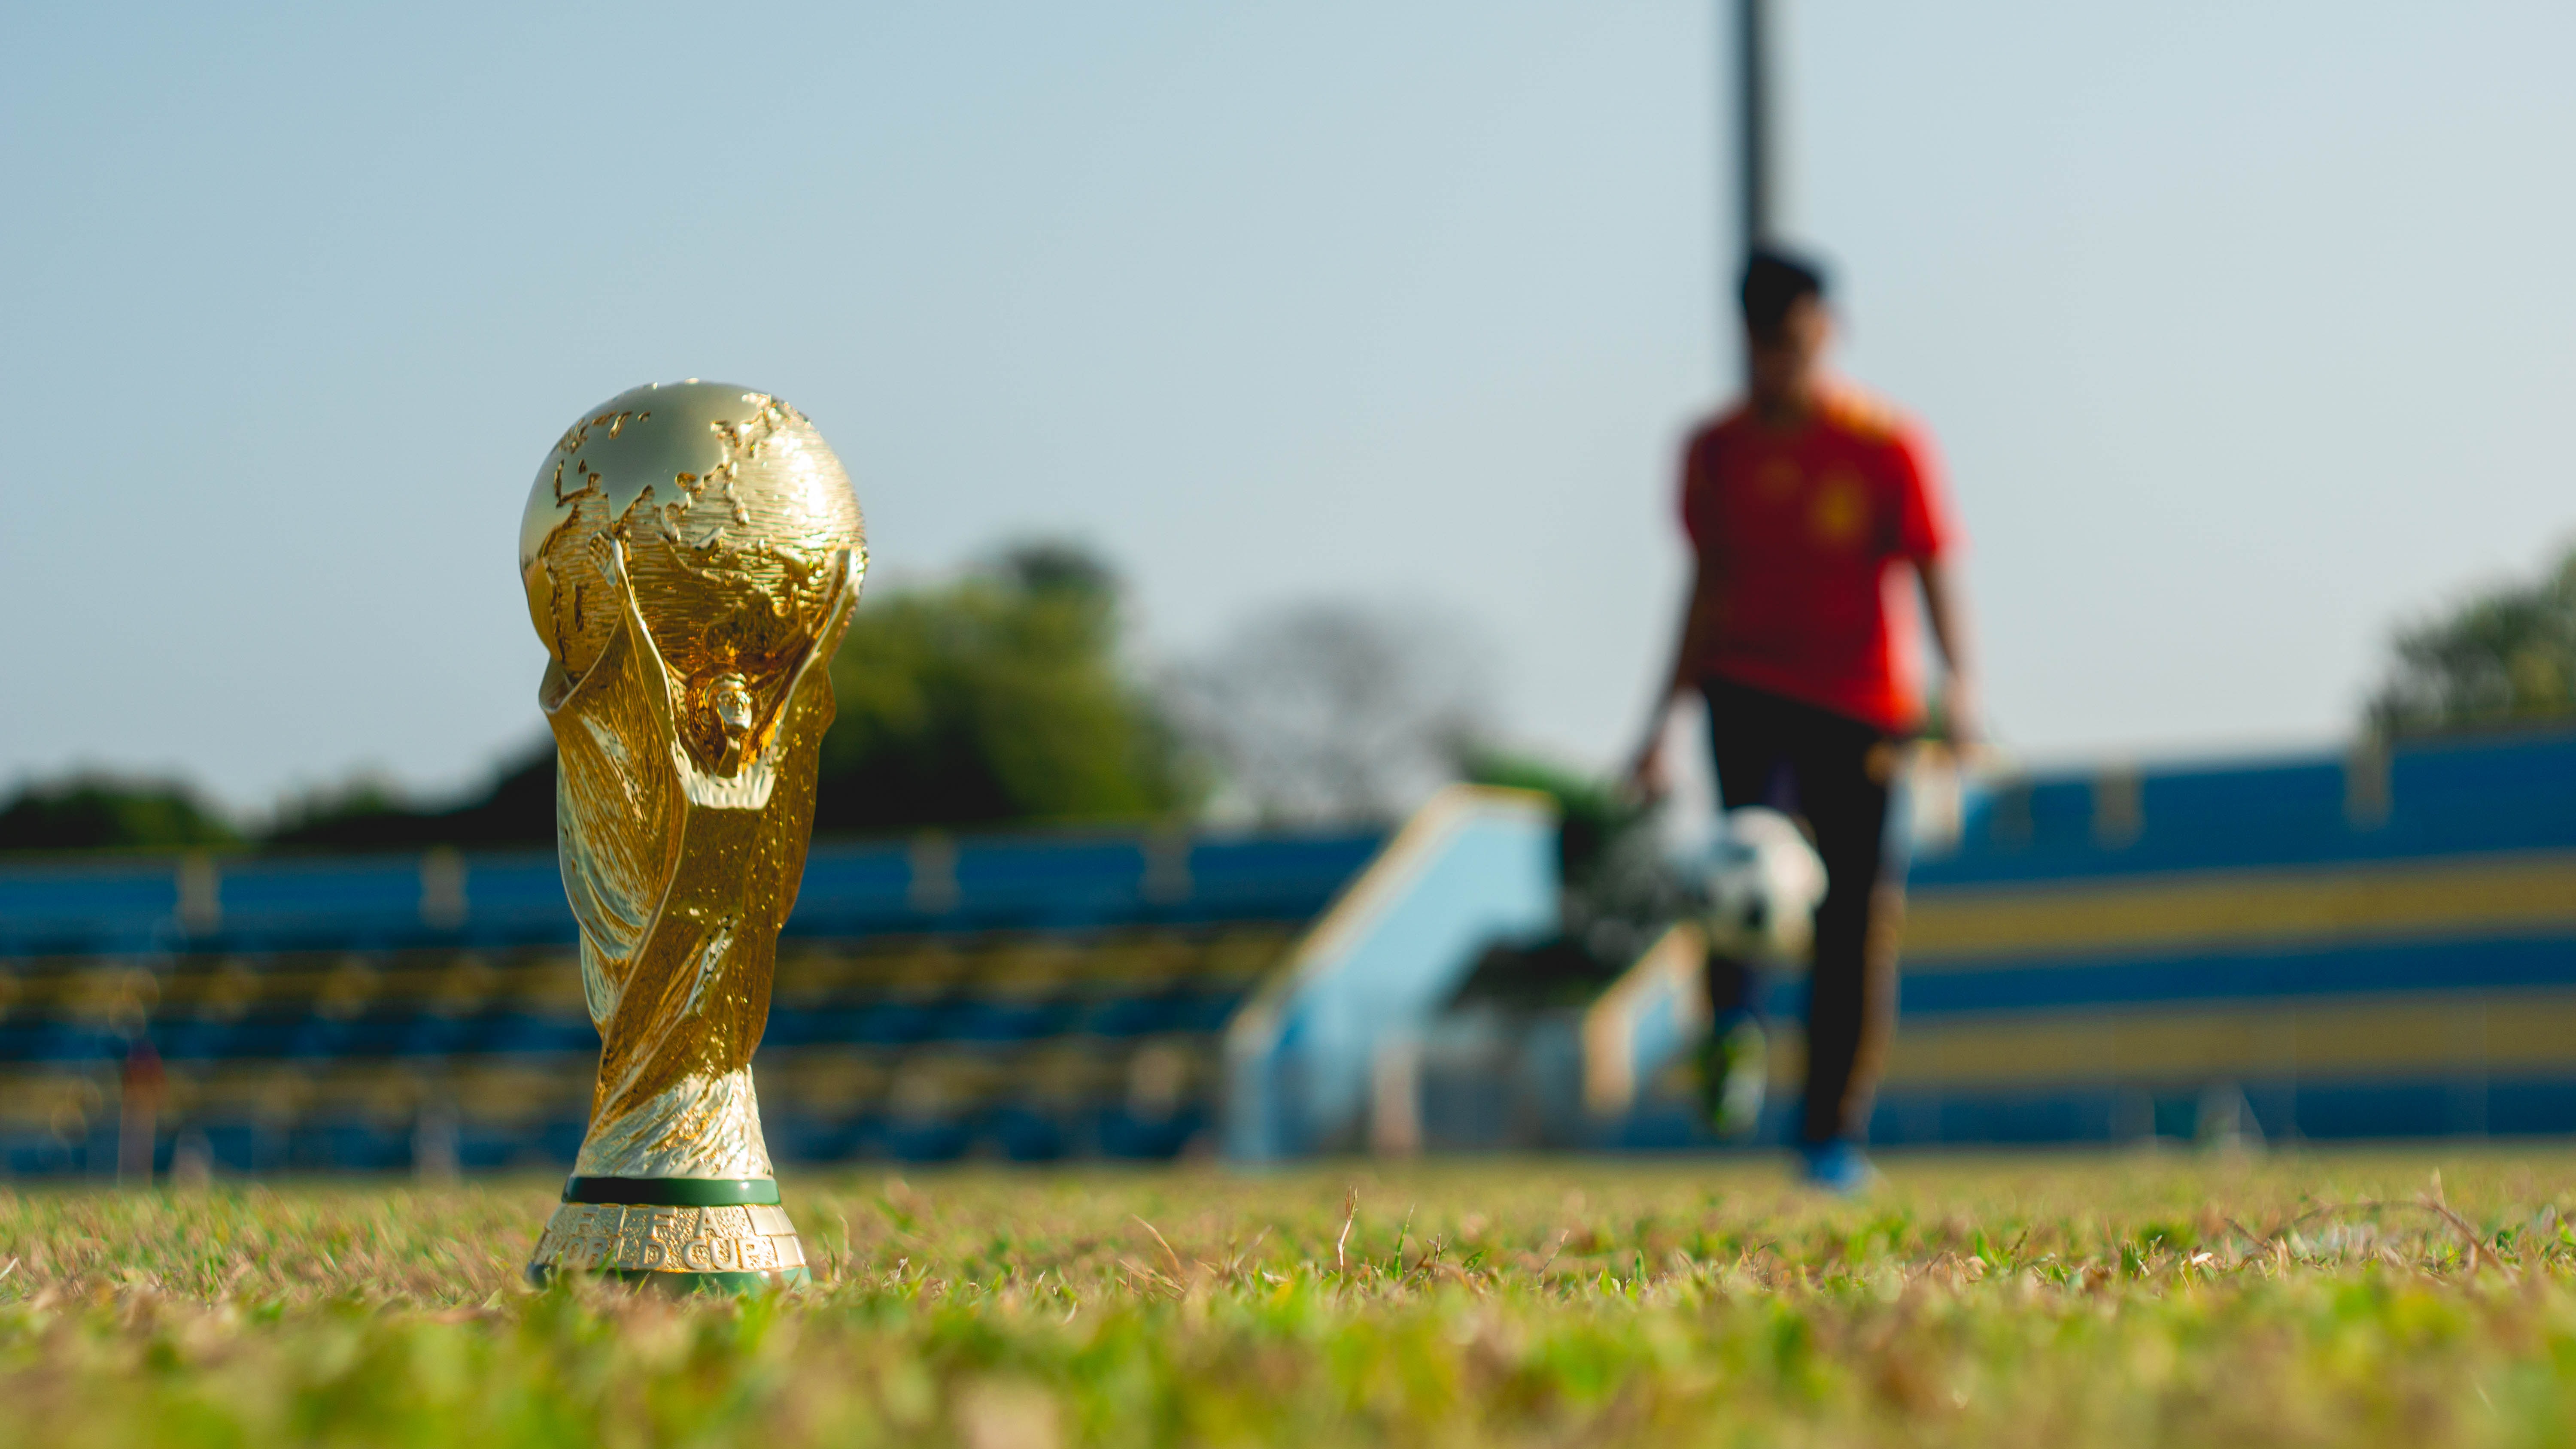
{"x":673,"y":1191}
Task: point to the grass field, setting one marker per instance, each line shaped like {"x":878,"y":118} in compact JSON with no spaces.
{"x":2418,"y":1299}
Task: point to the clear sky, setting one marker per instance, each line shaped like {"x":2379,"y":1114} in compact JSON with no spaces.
{"x":2247,"y":329}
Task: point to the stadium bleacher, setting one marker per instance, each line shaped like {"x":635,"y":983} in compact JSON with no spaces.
{"x":2377,"y":945}
{"x":1023,"y":997}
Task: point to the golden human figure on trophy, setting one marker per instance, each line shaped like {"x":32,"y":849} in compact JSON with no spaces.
{"x":692,"y":553}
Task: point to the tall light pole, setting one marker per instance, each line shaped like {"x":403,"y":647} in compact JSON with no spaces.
{"x":1753,"y":128}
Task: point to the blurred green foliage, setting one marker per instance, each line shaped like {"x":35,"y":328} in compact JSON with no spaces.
{"x":997,"y":699}
{"x":2503,"y":657}
{"x":516,"y":811}
{"x":100,"y":812}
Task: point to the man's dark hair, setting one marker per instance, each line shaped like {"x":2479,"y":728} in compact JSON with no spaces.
{"x":1773,"y":281}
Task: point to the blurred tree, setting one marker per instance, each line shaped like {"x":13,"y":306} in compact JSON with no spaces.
{"x":100,"y":812}
{"x":516,"y":811}
{"x":996,"y":699}
{"x":364,"y":813}
{"x":2505,"y":656}
{"x":1334,"y":711}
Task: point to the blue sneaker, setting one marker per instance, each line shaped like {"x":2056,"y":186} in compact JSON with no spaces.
{"x":1838,"y":1167}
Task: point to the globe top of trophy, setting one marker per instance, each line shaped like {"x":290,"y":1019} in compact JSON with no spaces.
{"x":721,"y":518}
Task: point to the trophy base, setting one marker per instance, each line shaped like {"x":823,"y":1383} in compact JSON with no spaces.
{"x":680,"y":1234}
{"x":678,"y":1284}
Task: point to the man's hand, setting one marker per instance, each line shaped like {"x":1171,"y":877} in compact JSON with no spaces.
{"x":1647,"y":779}
{"x":1946,"y":611}
{"x":1963,"y":715}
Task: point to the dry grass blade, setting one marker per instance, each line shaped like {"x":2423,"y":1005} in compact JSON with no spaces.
{"x":1563,"y":1237}
{"x":1234,"y":1260}
{"x":1155,"y":1283}
{"x":1341,"y":1245}
{"x":2430,"y":1202}
{"x":1178,"y":1272}
{"x":2477,"y":1246}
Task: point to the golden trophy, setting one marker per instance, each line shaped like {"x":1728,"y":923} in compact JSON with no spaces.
{"x":691,"y":553}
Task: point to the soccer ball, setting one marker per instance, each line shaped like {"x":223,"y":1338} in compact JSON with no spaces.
{"x":1761,"y":885}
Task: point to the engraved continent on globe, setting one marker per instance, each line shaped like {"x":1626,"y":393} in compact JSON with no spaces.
{"x":732,"y":514}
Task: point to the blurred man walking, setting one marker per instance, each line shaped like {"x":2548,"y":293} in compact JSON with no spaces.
{"x":1807,"y":506}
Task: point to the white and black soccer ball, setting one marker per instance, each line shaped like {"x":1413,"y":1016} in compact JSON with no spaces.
{"x":1760,"y":886}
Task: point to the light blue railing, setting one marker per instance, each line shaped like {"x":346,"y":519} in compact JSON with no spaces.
{"x":1473,"y":867}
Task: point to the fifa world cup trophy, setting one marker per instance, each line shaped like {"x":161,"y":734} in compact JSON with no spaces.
{"x":692,"y":553}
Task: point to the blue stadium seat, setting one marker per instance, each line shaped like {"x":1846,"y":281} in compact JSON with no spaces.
{"x":1125,"y":1134}
{"x":920,"y":1141}
{"x":88,"y":910}
{"x":1026,"y":1133}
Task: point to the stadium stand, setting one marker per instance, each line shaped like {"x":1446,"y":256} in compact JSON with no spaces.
{"x":1024,"y":997}
{"x":2378,"y":945}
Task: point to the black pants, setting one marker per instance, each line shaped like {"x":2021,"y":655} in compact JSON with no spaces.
{"x":1833,"y":771}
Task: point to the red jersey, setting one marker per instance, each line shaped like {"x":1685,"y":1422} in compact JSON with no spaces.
{"x":1798,"y":533}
